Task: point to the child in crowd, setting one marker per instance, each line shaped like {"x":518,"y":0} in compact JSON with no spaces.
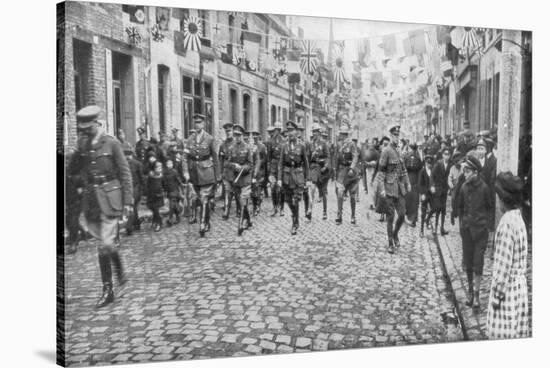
{"x":155,"y":194}
{"x":172,"y":184}
{"x":424,"y":179}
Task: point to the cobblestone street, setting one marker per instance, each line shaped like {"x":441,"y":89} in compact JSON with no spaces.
{"x":329,"y":287}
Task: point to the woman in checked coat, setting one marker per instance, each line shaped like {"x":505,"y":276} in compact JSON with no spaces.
{"x":508,"y":314}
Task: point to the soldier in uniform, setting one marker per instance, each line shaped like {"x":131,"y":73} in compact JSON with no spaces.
{"x":224,"y":148}
{"x":293,"y":172}
{"x":346,"y":171}
{"x":308,"y":200}
{"x":260,"y":153}
{"x":274,"y":147}
{"x":394,"y":181}
{"x":107,"y":192}
{"x":200,"y":166}
{"x":239,"y":163}
{"x":142,"y":146}
{"x":138,"y":181}
{"x":320,"y":165}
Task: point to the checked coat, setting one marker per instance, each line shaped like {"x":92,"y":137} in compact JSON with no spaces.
{"x":509,"y":283}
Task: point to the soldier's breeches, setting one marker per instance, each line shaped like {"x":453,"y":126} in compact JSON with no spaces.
{"x":242,"y":193}
{"x":105,"y":232}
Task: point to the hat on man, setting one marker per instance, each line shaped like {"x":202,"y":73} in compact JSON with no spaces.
{"x":413,"y":146}
{"x":457,"y":155}
{"x":384,"y":138}
{"x":429,"y":159}
{"x":270,"y":129}
{"x":481,"y":142}
{"x":227,"y":126}
{"x":395,"y":130}
{"x":472,"y":163}
{"x":509,"y":188}
{"x":238,"y":129}
{"x":291,"y":125}
{"x":255,"y":133}
{"x":87,"y":116}
{"x":278,"y":125}
{"x":198,"y":118}
{"x":127,"y":149}
{"x":344,"y":129}
{"x":300,"y":127}
{"x":324,"y":133}
{"x":141,"y":131}
{"x":315,"y":127}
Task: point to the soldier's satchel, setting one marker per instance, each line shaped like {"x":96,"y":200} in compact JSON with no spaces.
{"x":109,"y":197}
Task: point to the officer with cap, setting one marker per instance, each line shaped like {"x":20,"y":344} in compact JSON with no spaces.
{"x":293,"y":172}
{"x":395,"y":184}
{"x":142,"y":146}
{"x":240,"y":165}
{"x":320,"y":165}
{"x":200,"y":166}
{"x":107,"y":192}
{"x":258,"y":180}
{"x":347,"y":174}
{"x":274,"y":146}
{"x":227,"y":193}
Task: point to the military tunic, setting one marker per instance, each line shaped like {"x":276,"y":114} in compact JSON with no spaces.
{"x":320,"y":164}
{"x":273,"y":155}
{"x":240,"y":178}
{"x":346,"y":158}
{"x":226,"y":172}
{"x":293,"y":169}
{"x":200,"y":162}
{"x":393,"y":178}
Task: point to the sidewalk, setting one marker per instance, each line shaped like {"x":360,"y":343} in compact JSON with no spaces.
{"x":474,"y":324}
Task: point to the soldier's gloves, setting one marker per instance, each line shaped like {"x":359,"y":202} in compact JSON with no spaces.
{"x":409,"y":187}
{"x":253,"y":181}
{"x":237,"y":167}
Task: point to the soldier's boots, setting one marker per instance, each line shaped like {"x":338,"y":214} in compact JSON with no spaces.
{"x":324,"y":207}
{"x":477,"y":285}
{"x":245,"y":216}
{"x":275,"y":202}
{"x":353,"y":210}
{"x":238,"y":207}
{"x":107,"y":296}
{"x":340,"y":202}
{"x":227,"y":205}
{"x":194,"y":210}
{"x":443,"y":231}
{"x":391,"y":248}
{"x":422,"y":228}
{"x":119,"y":270}
{"x":281,"y":205}
{"x":398,"y":224}
{"x":295,"y":210}
{"x":306,"y":205}
{"x":202,"y":219}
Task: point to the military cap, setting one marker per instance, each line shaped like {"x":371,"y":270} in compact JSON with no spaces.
{"x":141,"y":131}
{"x":315,"y":127}
{"x":384,"y":138}
{"x":127,"y":149}
{"x":87,"y":116}
{"x":291,"y":125}
{"x":446,"y":149}
{"x":344,"y":129}
{"x":457,"y":155}
{"x":270,"y":128}
{"x":238,"y":129}
{"x":490,"y":143}
{"x":199,"y":117}
{"x":255,"y":133}
{"x":300,"y":126}
{"x":395,"y":130}
{"x":227,"y":126}
{"x":481,"y":142}
{"x":472,"y":163}
{"x":324,"y":132}
{"x":278,"y":125}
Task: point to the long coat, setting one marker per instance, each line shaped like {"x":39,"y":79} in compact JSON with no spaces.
{"x":509,"y":283}
{"x":200,"y":160}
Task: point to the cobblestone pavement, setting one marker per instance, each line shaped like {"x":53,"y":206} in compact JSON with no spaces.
{"x":475,"y":324}
{"x":329,"y":287}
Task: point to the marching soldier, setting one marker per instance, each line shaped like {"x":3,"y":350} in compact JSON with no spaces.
{"x":273,"y":157}
{"x":308,"y":200}
{"x":107,"y":193}
{"x":293,"y":172}
{"x":320,"y":165}
{"x":224,"y":148}
{"x":258,"y":180}
{"x":394,"y":181}
{"x":200,"y":166}
{"x":240,"y":165}
{"x":142,"y":146}
{"x":346,"y":171}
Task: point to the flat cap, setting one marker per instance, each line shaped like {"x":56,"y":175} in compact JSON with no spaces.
{"x":227,"y":126}
{"x":291,"y":125}
{"x":429,"y":159}
{"x":509,"y":188}
{"x":238,"y":129}
{"x":88,"y":115}
{"x":344,"y":129}
{"x":472,"y":163}
{"x":199,"y":117}
{"x":315,"y":127}
{"x":395,"y":130}
{"x":255,"y":133}
{"x":270,"y":128}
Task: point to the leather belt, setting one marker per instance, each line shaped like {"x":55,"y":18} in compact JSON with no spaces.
{"x":101,"y":179}
{"x":200,"y":158}
{"x":292,"y":164}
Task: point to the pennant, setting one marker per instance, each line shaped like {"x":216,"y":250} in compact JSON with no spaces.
{"x":179,"y":47}
{"x":390,"y":45}
{"x":293,"y":61}
{"x":133,"y":35}
{"x":192,"y":33}
{"x":308,"y":58}
{"x":363,"y":51}
{"x":156,"y":34}
{"x":251,"y":46}
{"x":137,"y":13}
{"x":418,"y":41}
{"x":162,"y":18}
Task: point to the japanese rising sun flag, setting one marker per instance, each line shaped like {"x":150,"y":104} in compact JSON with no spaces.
{"x":192,"y":33}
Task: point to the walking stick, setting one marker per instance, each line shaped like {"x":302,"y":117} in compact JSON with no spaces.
{"x":238,"y":176}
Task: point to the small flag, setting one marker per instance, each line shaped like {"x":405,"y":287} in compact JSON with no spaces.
{"x":308,"y":62}
{"x":293,"y":61}
{"x":157,"y":34}
{"x":137,"y":13}
{"x":163,"y":18}
{"x":251,"y":45}
{"x":133,"y":35}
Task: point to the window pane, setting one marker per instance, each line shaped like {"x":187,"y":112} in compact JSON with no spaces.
{"x":187,"y":88}
{"x":186,"y":117}
{"x":197,"y":106}
{"x":208,"y":89}
{"x":197,"y":87}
